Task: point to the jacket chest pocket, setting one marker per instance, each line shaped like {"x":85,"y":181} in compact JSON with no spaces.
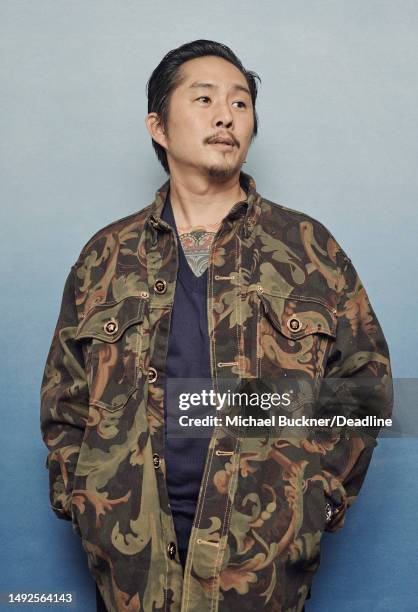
{"x":113,"y":332}
{"x":293,"y":334}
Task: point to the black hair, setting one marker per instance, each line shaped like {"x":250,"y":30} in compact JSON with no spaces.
{"x":166,"y":77}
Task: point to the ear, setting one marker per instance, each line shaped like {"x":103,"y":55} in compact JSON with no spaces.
{"x":155,"y":129}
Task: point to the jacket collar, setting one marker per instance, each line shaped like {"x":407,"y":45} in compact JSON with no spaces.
{"x":248,"y":209}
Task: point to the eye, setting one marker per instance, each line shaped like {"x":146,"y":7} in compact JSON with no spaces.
{"x":203,"y":98}
{"x":241,"y":102}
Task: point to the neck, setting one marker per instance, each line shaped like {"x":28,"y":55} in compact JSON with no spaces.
{"x":198,"y":201}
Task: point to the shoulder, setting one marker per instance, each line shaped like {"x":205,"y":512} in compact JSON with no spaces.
{"x":110,"y":264}
{"x":115,"y":233}
{"x":300,"y":231}
{"x":281,"y":216}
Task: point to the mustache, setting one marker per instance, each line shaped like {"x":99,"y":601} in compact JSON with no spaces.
{"x":212,"y":138}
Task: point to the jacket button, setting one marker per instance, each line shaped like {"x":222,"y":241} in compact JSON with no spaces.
{"x":152,"y":375}
{"x":171,"y":550}
{"x":160,"y":286}
{"x":328,"y":512}
{"x":294,"y":324}
{"x":111,"y":327}
{"x":156,"y":459}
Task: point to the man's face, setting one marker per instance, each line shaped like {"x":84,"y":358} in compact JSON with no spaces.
{"x":212,"y":102}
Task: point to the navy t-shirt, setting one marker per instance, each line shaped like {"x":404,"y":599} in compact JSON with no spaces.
{"x":187,"y":357}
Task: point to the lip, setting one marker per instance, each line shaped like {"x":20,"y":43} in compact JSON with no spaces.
{"x":223,"y":145}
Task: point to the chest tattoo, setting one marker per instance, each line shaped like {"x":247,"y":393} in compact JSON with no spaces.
{"x":197,"y":243}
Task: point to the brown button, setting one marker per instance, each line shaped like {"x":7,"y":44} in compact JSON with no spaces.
{"x":156,"y":459}
{"x":111,"y":327}
{"x":171,"y":550}
{"x":152,"y":375}
{"x":294,"y":324}
{"x":160,"y":286}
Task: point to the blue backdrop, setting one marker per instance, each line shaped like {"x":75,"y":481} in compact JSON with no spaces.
{"x":338,"y":140}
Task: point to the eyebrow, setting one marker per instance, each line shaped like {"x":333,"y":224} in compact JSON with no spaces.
{"x":236,"y":86}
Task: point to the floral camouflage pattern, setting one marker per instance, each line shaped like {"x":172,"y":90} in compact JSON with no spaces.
{"x":284,"y":303}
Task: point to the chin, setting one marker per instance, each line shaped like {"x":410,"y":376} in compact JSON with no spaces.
{"x":222,"y":171}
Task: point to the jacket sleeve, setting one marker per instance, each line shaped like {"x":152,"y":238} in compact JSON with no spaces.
{"x":357,"y":384}
{"x":64,"y":403}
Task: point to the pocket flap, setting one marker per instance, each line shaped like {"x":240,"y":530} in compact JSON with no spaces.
{"x":295,"y":317}
{"x":108,"y":321}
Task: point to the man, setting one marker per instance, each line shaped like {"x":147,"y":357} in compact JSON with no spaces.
{"x":209,"y":282}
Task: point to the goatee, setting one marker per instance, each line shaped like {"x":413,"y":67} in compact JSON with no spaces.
{"x":221,"y":173}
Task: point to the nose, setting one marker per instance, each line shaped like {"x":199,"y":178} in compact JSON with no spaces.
{"x":223,"y":115}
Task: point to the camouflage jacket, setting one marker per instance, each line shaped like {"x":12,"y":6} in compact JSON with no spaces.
{"x":284,"y":304}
